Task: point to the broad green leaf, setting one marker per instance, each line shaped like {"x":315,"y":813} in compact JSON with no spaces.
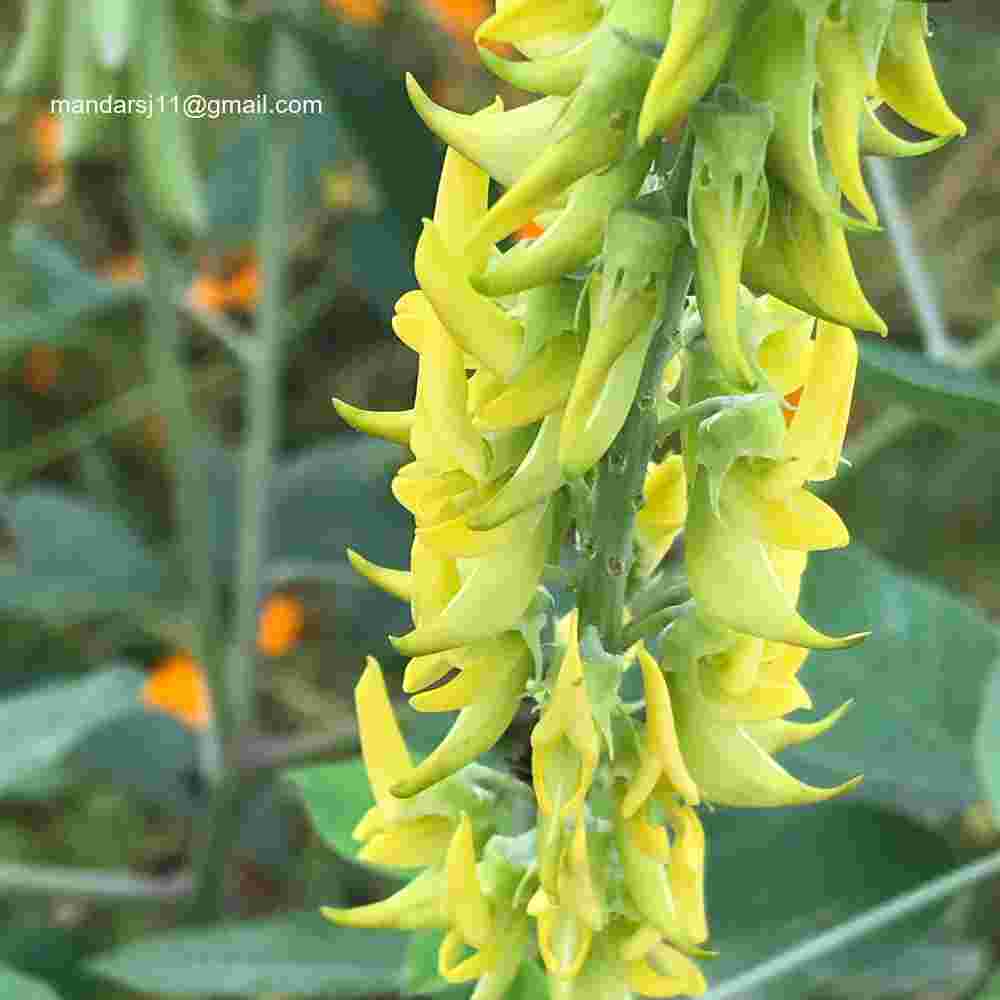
{"x":149,"y":755}
{"x":16,"y":986}
{"x":73,"y":560}
{"x":988,"y":741}
{"x":336,"y":797}
{"x":531,"y":983}
{"x":39,"y":727}
{"x":233,"y":186}
{"x":963,"y":400}
{"x":926,"y":968}
{"x":376,"y":263}
{"x":917,"y":682}
{"x":402,"y":154}
{"x":334,"y":497}
{"x":928,"y":504}
{"x":419,"y":975}
{"x":777,"y":877}
{"x":298,"y":954}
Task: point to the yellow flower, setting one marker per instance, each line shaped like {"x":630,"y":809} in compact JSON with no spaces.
{"x":565,"y":743}
{"x":725,"y":759}
{"x":488,"y":692}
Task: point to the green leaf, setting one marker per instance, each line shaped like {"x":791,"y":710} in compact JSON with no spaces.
{"x":926,"y":969}
{"x":336,"y":797}
{"x":334,"y":497}
{"x":73,"y":561}
{"x":962,"y":400}
{"x":402,"y":154}
{"x":531,"y":983}
{"x":15,"y":986}
{"x":233,"y":183}
{"x":988,"y":741}
{"x":38,"y":728}
{"x":419,"y":975}
{"x":917,"y":681}
{"x":776,"y":877}
{"x":300,"y":954}
{"x":149,"y":755}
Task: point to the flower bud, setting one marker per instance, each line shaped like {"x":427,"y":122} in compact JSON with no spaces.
{"x":619,"y":70}
{"x":565,"y":743}
{"x":729,"y":767}
{"x":504,"y":144}
{"x":492,"y":598}
{"x":727,"y":207}
{"x":734,"y":582}
{"x":480,"y":326}
{"x":387,"y":424}
{"x":397,"y":582}
{"x":575,"y":236}
{"x":536,"y":478}
{"x":844,"y":78}
{"x":877,"y":140}
{"x":556,"y":76}
{"x":906,"y":75}
{"x":549,"y":22}
{"x":786,"y":80}
{"x":569,"y":158}
{"x":488,"y":691}
{"x":701,"y":34}
{"x":805,"y":261}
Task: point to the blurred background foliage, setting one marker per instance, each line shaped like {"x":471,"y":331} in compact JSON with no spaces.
{"x":103,"y":702}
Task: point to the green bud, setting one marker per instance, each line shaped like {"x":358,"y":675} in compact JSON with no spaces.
{"x":728,"y":204}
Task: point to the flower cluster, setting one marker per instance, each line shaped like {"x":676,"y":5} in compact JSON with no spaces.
{"x":574,"y":381}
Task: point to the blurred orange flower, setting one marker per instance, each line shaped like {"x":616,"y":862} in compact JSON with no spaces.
{"x":281,"y":622}
{"x":529,"y":231}
{"x":47,"y":129}
{"x":358,"y":11}
{"x":235,"y":289}
{"x":460,"y":18}
{"x":42,"y":367}
{"x":177,"y":687}
{"x":124,"y":270}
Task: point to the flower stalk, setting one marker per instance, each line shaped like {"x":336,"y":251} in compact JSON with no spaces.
{"x":574,"y":381}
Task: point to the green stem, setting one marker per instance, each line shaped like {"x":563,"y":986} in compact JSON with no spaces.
{"x":621,"y":473}
{"x":917,"y":282}
{"x":868,"y":923}
{"x":651,"y":625}
{"x":112,"y":886}
{"x":262,"y":754}
{"x":263,"y":372}
{"x":191,"y":488}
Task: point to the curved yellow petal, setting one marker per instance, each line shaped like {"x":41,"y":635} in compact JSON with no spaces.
{"x":382,"y":746}
{"x":906,"y":76}
{"x":388,"y":424}
{"x":491,"y":599}
{"x":478,"y":325}
{"x":397,"y":582}
{"x":419,"y":905}
{"x":734,"y":582}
